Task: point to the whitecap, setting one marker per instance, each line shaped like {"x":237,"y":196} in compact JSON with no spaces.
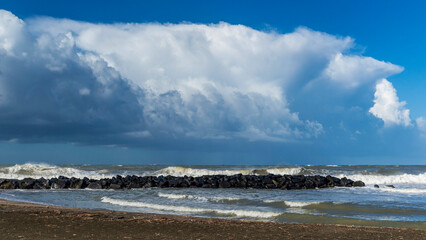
{"x":403,"y":190}
{"x":233,"y":212}
{"x":388,"y":179}
{"x":195,"y":172}
{"x":38,"y":170}
{"x":182,"y":196}
{"x":198,"y":198}
{"x":292,"y":204}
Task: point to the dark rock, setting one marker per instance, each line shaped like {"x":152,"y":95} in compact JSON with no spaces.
{"x":132,"y":185}
{"x":309,"y":184}
{"x":376,"y":186}
{"x":26,"y":183}
{"x":147,"y":185}
{"x":60,"y":183}
{"x":94,"y":185}
{"x":173,"y":183}
{"x":391,"y":186}
{"x":210,"y":181}
{"x":7,"y":184}
{"x":349,"y":183}
{"x":267,"y":180}
{"x":358,"y":184}
{"x":240,"y":183}
{"x":105,"y":183}
{"x":224,"y":184}
{"x":114,"y":186}
{"x":37,"y":186}
{"x":286,"y":185}
{"x":277,"y":183}
{"x":81,"y":184}
{"x":333,"y":181}
{"x":342,"y":182}
{"x":163,"y":184}
{"x":295,"y":179}
{"x":44,"y":183}
{"x":270,"y":186}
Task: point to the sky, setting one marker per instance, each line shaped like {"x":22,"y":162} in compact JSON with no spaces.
{"x":247,"y":82}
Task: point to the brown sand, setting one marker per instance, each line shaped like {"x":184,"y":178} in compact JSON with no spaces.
{"x":31,"y":221}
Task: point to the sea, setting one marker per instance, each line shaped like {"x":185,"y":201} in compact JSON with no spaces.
{"x":402,"y":206}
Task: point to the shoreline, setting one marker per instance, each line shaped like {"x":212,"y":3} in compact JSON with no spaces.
{"x":22,"y":220}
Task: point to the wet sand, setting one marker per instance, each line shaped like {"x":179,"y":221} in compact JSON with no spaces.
{"x":32,"y":221}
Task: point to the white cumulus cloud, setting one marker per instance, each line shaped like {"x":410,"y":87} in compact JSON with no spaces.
{"x":345,"y":70}
{"x":388,"y":107}
{"x":70,"y":80}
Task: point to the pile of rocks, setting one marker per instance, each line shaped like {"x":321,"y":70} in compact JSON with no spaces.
{"x":209,"y":181}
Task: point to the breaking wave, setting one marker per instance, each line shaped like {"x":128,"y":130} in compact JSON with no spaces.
{"x":30,"y":170}
{"x":403,"y":190}
{"x":368,"y":178}
{"x":39,"y":170}
{"x":292,"y":204}
{"x":198,"y":198}
{"x":237,"y":213}
{"x":194,"y":172}
{"x":388,"y":179}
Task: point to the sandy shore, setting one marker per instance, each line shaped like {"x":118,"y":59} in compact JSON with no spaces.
{"x":32,"y":221}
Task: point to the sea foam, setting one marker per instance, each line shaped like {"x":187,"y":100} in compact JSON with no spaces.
{"x":47,"y":171}
{"x":198,"y":198}
{"x":387,"y":179}
{"x":233,"y":212}
{"x":292,"y":203}
{"x":195,"y":172}
{"x":403,"y":190}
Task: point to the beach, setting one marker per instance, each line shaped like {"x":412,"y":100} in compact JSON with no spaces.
{"x":403,"y":206}
{"x":20,"y":220}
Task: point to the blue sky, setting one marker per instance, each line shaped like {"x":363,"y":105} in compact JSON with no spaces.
{"x":272,"y":82}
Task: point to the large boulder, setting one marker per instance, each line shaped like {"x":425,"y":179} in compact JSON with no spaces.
{"x":115,"y":186}
{"x":60,"y":183}
{"x":94,"y":185}
{"x":224,"y":184}
{"x":358,"y":184}
{"x":8,"y":184}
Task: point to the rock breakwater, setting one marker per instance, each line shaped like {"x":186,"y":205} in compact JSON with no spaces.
{"x":285,"y":182}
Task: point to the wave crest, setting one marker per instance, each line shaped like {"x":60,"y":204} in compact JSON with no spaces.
{"x":194,"y":172}
{"x":234,"y":212}
{"x":410,"y":191}
{"x":198,"y":198}
{"x":292,"y":204}
{"x":29,"y":170}
{"x":388,"y":179}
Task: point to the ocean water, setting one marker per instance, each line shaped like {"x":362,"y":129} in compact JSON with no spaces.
{"x":402,"y":206}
